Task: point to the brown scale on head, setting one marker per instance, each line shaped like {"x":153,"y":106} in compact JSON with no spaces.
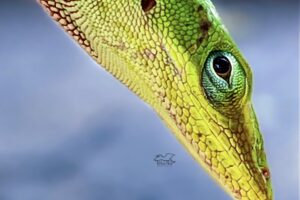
{"x":147,"y":5}
{"x":205,"y":25}
{"x":55,"y":9}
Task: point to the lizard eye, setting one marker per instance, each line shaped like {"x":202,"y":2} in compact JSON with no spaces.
{"x":222,"y":66}
{"x":223,"y":80}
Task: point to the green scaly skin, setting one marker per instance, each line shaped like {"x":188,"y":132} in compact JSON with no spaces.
{"x":163,"y":51}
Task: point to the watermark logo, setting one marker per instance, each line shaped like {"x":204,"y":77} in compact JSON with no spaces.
{"x":164,"y":160}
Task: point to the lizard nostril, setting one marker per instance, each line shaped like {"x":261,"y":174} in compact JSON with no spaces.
{"x":266,"y":172}
{"x":148,"y":5}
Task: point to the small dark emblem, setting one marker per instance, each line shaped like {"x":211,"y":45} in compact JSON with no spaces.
{"x":164,"y":160}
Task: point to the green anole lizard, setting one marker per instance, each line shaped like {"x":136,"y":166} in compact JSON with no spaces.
{"x":178,"y":57}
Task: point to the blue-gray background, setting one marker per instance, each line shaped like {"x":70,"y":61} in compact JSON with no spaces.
{"x":70,"y":131}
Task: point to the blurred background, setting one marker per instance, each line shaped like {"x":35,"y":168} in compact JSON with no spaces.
{"x":69,"y":130}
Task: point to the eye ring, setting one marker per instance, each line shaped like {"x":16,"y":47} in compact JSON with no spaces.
{"x":222,"y":66}
{"x":224,"y":81}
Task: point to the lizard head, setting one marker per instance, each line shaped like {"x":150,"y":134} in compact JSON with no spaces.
{"x":178,"y":57}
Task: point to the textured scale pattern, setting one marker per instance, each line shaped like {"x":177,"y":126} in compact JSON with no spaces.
{"x":159,"y":54}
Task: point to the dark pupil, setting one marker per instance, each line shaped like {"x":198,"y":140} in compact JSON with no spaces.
{"x":221,"y":65}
